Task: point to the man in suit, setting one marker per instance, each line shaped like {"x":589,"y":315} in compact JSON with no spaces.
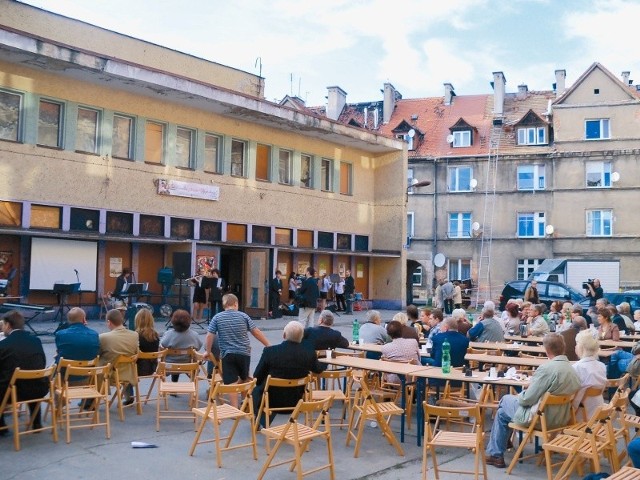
{"x":119,"y":341}
{"x":309,"y":293}
{"x":557,"y":377}
{"x":289,"y":359}
{"x":322,"y":336}
{"x":21,"y":350}
{"x":349,"y":290}
{"x":275,"y":290}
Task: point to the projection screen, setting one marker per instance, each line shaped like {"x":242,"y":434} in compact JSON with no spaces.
{"x":55,"y":261}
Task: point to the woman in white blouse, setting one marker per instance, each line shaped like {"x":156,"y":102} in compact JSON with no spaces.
{"x":591,"y":371}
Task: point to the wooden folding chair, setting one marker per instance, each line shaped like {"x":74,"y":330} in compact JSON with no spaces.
{"x":188,"y":388}
{"x":89,"y":386}
{"x":437,"y":438}
{"x":299,"y":435}
{"x":58,"y":378}
{"x":409,"y":393}
{"x":581,"y":412}
{"x":156,"y":357}
{"x":596,"y":440}
{"x":125,"y":364}
{"x":266,"y":403}
{"x":218,"y":411}
{"x":335,"y":383}
{"x":538,"y":428}
{"x":366,"y":408}
{"x":11,"y":401}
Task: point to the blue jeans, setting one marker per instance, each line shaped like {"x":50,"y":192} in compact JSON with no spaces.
{"x":618,"y":363}
{"x":500,"y":430}
{"x":633,"y":449}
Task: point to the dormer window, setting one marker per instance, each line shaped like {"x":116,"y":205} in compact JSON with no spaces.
{"x":406,"y":138}
{"x":462,"y":138}
{"x":532,"y":136}
{"x":409,"y":133}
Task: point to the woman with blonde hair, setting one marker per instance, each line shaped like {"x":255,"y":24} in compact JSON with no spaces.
{"x":149,"y":340}
{"x":407,"y":331}
{"x":591,"y":371}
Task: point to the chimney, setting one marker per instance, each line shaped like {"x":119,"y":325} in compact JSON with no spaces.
{"x":499,"y":83}
{"x":449,"y":93}
{"x":522,"y":91}
{"x":336,"y":100}
{"x":625,"y":78}
{"x":391,"y":96}
{"x":561,"y":75}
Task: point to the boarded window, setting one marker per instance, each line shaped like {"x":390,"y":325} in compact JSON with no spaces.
{"x":151,"y":226}
{"x":305,"y":238}
{"x":10,"y":214}
{"x":263,"y":162}
{"x":284,"y":236}
{"x":343,"y":241}
{"x":261,"y":235}
{"x":83,"y":219}
{"x":43,"y":216}
{"x":210,"y":231}
{"x":181,"y":228}
{"x":325,"y":240}
{"x":119,"y":222}
{"x":236,"y":232}
{"x":154,"y":142}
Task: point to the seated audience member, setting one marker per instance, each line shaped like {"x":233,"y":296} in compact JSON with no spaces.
{"x":424,"y":317}
{"x":400,"y":349}
{"x":538,"y":326}
{"x":21,"y":350}
{"x":118,"y":341}
{"x":488,"y":329}
{"x":435,"y":323}
{"x":577,"y":320}
{"x":591,"y":372}
{"x":621,"y":362}
{"x":407,"y":331}
{"x":569,"y":336}
{"x":624,"y":309}
{"x":557,"y":377}
{"x":460,"y":315}
{"x":372,"y":332}
{"x":525,"y":311}
{"x":458,"y":342}
{"x":77,"y":341}
{"x":607,"y":330}
{"x":511,"y":318}
{"x":148,"y":340}
{"x":180,"y":337}
{"x":289,"y":359}
{"x":636,"y":320}
{"x":616,"y":318}
{"x":322,"y":336}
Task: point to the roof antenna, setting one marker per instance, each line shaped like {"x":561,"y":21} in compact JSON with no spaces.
{"x":259,"y":61}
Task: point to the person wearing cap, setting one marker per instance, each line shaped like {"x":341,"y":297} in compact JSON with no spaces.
{"x":77,"y":341}
{"x":21,"y":350}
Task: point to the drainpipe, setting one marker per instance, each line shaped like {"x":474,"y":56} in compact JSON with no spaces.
{"x":434,"y":248}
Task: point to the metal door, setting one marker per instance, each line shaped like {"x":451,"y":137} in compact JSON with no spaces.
{"x":255,"y":282}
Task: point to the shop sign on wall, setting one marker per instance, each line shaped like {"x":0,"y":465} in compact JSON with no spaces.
{"x":177,"y":188}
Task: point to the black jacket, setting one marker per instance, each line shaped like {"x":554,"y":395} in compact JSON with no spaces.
{"x":286,"y":360}
{"x":309,"y":292}
{"x":22,"y":350}
{"x":321,"y":338}
{"x":349,"y":285}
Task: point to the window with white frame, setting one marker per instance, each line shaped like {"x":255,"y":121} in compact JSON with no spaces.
{"x":531,"y":224}
{"x":598,"y":174}
{"x":326,"y":175}
{"x":460,"y":179}
{"x":407,"y":138}
{"x":599,"y":223}
{"x":532,"y":136}
{"x":238,"y":157}
{"x":87,"y":130}
{"x":122,"y":139}
{"x":284,"y":166}
{"x":416,"y":277}
{"x":459,"y":225}
{"x":526,"y":266}
{"x":459,"y":268}
{"x":212,"y":151}
{"x":10,"y":115}
{"x":531,"y":177}
{"x":410,"y":224}
{"x":306,"y":170}
{"x":462,"y":138}
{"x":597,"y":129}
{"x":184,"y":147}
{"x":50,"y":124}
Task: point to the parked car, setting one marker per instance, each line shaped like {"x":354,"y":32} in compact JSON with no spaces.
{"x":616,"y":298}
{"x":547,"y":291}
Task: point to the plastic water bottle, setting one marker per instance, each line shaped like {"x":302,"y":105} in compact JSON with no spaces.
{"x":552,"y":325}
{"x":446,"y":357}
{"x":356,"y":331}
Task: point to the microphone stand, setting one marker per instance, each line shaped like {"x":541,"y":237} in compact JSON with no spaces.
{"x":79,"y":291}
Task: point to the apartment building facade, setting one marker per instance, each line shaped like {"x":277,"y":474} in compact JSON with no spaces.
{"x":120,"y":153}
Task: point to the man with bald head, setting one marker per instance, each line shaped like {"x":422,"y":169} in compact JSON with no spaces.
{"x":77,"y":341}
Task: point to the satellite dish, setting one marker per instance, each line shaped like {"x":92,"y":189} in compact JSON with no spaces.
{"x":615,"y":176}
{"x":450,"y":138}
{"x":473,"y":183}
{"x":549,"y":229}
{"x":411,"y":133}
{"x":439,"y":260}
{"x":475,"y":227}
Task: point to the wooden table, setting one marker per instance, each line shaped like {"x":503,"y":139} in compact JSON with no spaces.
{"x":603,"y":343}
{"x":400,"y":369}
{"x":374,"y":347}
{"x":503,"y":360}
{"x":530,"y":349}
{"x":625,"y":473}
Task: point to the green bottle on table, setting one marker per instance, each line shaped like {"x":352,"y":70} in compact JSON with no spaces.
{"x":446,"y":357}
{"x":356,"y":331}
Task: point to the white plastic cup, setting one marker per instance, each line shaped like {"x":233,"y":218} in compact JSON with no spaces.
{"x":492,"y":372}
{"x":329,"y":353}
{"x":360,"y":341}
